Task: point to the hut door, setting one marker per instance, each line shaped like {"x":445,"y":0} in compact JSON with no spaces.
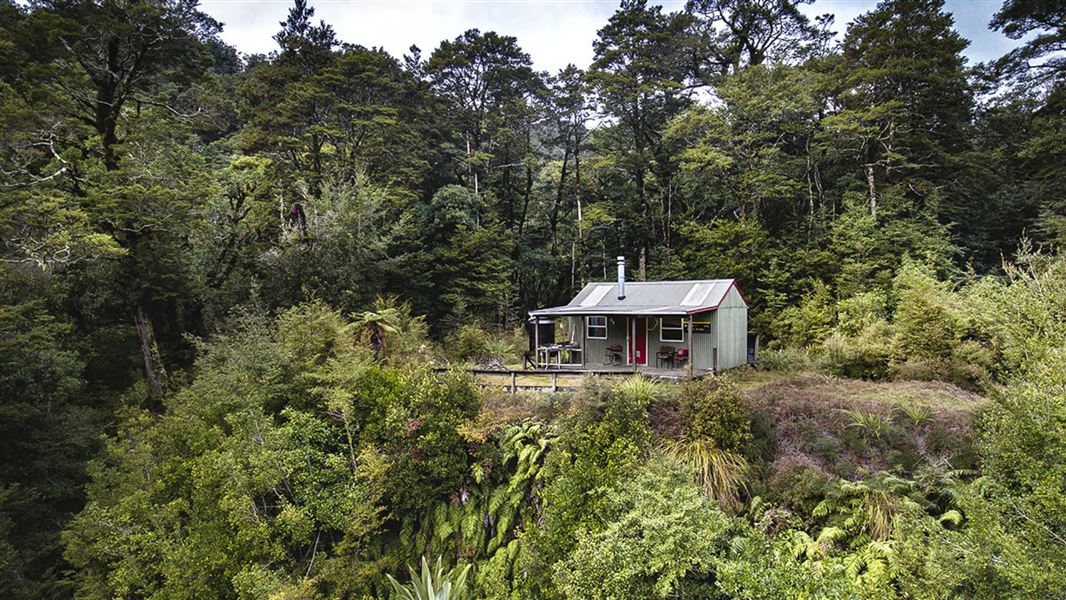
{"x":638,"y":341}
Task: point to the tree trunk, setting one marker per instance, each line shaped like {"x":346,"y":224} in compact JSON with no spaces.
{"x":144,"y":332}
{"x":873,"y":189}
{"x":554,"y":220}
{"x":580,"y":215}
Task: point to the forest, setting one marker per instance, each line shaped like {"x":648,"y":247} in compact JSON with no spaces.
{"x":239,"y":295}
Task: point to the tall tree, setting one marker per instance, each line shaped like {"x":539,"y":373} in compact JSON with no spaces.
{"x":568,"y":106}
{"x":728,"y":35}
{"x":488,"y":84}
{"x":113,"y":54}
{"x":1042,"y":58}
{"x":905,"y":99}
{"x":638,"y":73}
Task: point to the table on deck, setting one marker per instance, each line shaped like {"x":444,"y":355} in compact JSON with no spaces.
{"x":572,"y":352}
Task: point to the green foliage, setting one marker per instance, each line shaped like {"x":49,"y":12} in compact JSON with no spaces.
{"x":225,"y":277}
{"x":810,"y":322}
{"x":869,"y":424}
{"x":603,"y":443}
{"x":48,"y":429}
{"x":716,"y":412}
{"x":280,"y":441}
{"x":720,"y":473}
{"x":432,"y":584}
{"x":665,"y":532}
{"x":785,"y":360}
{"x":926,"y":323}
{"x":764,"y":567}
{"x":397,"y":336}
{"x":500,"y":497}
{"x":1017,"y":508}
{"x":1008,"y":543}
{"x":861,"y":311}
{"x":471,"y":343}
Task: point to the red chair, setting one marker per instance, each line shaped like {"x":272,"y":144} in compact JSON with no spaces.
{"x":680,"y":357}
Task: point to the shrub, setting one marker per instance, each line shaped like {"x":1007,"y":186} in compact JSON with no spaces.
{"x":431,"y":583}
{"x":861,"y":311}
{"x":722,"y":474}
{"x":785,"y":360}
{"x":967,"y":367}
{"x":662,"y":533}
{"x":865,"y":357}
{"x":810,"y":322}
{"x":400,"y":337}
{"x":868,"y":424}
{"x":603,"y":441}
{"x":471,"y":343}
{"x":825,"y":447}
{"x":927,"y":322}
{"x":917,"y":414}
{"x":715,"y":410}
{"x":799,"y":487}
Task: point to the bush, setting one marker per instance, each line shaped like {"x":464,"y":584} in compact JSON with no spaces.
{"x":865,"y":357}
{"x":810,"y":322}
{"x":785,"y":360}
{"x":602,"y":443}
{"x":471,"y":343}
{"x":968,"y":367}
{"x":665,"y":531}
{"x":861,"y":311}
{"x":715,"y":410}
{"x":799,"y":487}
{"x":926,"y":321}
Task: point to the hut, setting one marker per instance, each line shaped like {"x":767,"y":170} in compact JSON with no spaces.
{"x":700,"y":325}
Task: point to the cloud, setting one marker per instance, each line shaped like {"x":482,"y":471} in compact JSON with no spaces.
{"x":553,"y":32}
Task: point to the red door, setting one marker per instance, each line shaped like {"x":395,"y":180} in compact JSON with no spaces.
{"x":638,"y":341}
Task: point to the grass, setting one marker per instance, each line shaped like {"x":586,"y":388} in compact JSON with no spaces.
{"x":804,"y":408}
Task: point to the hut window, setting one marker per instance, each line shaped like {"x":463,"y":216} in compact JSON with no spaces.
{"x":596,"y":328}
{"x":672,"y":329}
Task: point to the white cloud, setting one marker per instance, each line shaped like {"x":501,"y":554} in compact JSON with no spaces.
{"x":553,"y":32}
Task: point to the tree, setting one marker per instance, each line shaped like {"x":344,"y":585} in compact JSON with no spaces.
{"x":732,"y":34}
{"x":488,"y":82}
{"x":111,"y":54}
{"x":49,"y":423}
{"x":637,"y":75}
{"x":904,"y":98}
{"x":1040,"y":58}
{"x":753,"y":155}
{"x":303,"y":43}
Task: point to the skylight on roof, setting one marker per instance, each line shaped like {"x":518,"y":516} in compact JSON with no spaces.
{"x":697,"y":294}
{"x":596,"y":295}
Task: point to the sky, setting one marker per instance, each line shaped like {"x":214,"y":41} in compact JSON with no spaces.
{"x":553,"y":32}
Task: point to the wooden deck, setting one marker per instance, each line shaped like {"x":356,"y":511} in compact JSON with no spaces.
{"x":566,"y":379}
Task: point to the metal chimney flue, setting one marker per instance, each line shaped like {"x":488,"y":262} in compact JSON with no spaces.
{"x":621,"y":278}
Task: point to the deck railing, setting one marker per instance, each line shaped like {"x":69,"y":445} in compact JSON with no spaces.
{"x":513,"y":380}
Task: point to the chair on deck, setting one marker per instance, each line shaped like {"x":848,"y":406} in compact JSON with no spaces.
{"x":665,"y":355}
{"x":680,"y":357}
{"x":612,"y":355}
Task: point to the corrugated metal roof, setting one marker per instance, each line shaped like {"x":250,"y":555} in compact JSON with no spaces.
{"x":644,"y":298}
